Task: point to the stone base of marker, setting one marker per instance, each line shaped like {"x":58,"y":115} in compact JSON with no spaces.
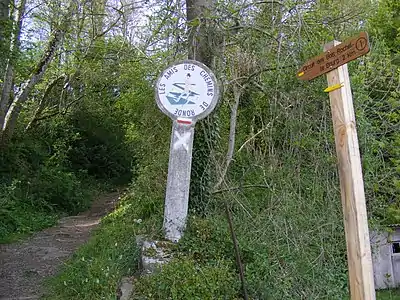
{"x":153,"y":254}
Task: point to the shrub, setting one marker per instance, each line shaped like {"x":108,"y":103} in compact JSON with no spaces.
{"x":19,"y":214}
{"x":60,"y":189}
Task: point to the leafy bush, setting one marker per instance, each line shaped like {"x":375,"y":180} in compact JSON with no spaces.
{"x":100,"y":148}
{"x":37,"y":185}
{"x":19,"y":214}
{"x":59,"y":189}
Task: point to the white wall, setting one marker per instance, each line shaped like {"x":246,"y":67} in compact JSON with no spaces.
{"x":381,"y":248}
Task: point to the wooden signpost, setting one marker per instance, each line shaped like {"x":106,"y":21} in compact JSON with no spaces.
{"x":186,"y":91}
{"x":335,"y":57}
{"x":333,"y":62}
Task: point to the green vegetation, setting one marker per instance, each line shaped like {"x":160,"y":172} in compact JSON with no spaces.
{"x":388,"y":295}
{"x":99,"y":265}
{"x":92,"y":121}
{"x":54,"y":166}
{"x":184,"y":279}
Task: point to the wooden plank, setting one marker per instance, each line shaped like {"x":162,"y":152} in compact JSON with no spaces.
{"x":351,"y":185}
{"x":335,"y":57}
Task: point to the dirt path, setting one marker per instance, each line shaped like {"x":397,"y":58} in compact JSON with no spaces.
{"x":25,"y":265}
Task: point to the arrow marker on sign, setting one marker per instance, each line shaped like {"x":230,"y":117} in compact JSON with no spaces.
{"x":333,"y":87}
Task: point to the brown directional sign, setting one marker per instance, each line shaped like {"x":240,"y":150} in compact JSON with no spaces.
{"x":335,"y":57}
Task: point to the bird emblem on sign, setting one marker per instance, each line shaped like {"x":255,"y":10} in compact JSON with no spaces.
{"x":183,"y":93}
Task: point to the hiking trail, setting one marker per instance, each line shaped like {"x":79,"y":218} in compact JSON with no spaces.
{"x":24,"y":265}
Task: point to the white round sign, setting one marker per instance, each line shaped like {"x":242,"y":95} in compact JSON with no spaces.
{"x":187,"y":89}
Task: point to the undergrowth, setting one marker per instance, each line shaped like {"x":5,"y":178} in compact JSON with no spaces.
{"x":29,"y":205}
{"x":187,"y":279}
{"x":20,"y":216}
{"x":388,"y":295}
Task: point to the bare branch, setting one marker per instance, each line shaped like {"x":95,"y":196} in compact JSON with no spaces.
{"x":43,"y":101}
{"x":255,"y":135}
{"x":237,"y":92}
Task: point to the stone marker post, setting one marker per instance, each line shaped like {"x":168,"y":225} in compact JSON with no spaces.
{"x":186,"y":91}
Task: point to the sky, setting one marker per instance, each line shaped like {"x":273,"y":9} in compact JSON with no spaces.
{"x":36,"y":30}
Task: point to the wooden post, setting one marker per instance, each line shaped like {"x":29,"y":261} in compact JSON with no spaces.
{"x":351,"y":184}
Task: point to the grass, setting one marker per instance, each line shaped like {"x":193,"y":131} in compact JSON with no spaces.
{"x":388,"y":295}
{"x":21,"y":215}
{"x":96,"y":268}
{"x":290,"y":237}
{"x":288,"y":247}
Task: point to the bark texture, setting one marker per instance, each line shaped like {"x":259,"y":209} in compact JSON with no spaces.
{"x":198,"y":12}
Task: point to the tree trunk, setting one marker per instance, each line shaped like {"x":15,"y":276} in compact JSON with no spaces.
{"x":15,"y":108}
{"x":55,"y":40}
{"x":237,"y":93}
{"x":98,"y":13}
{"x":9,"y":73}
{"x":200,"y":48}
{"x":5,"y":28}
{"x":44,"y":101}
{"x":97,"y":40}
{"x":4,"y":10}
{"x":199,"y":39}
